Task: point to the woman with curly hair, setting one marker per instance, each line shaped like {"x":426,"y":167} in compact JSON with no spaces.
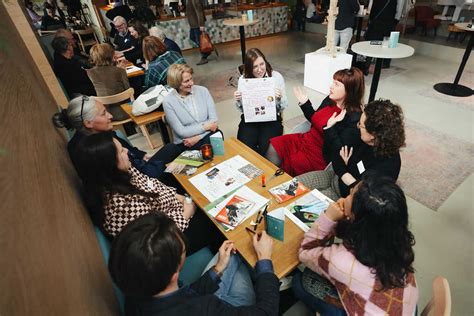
{"x":382,"y":132}
{"x":372,"y":269}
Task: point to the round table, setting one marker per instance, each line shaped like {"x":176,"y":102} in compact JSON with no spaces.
{"x":380,"y":53}
{"x":455,"y":89}
{"x":241,"y":24}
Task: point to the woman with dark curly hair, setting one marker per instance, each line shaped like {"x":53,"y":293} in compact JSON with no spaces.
{"x":382,"y":132}
{"x":374,"y":263}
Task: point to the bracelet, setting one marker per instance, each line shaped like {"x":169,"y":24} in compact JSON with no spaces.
{"x":219,"y":273}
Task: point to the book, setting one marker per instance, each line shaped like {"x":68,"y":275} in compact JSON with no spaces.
{"x":243,"y":192}
{"x":275,"y":223}
{"x":306,"y":210}
{"x":217,"y":143}
{"x":190,"y":158}
{"x":234,"y":211}
{"x":288,"y":190}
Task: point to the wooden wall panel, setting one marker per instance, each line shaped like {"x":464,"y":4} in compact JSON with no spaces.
{"x":50,"y":261}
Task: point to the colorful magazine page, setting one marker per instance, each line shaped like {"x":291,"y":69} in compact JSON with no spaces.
{"x":234,"y":211}
{"x":190,"y":158}
{"x":306,"y":210}
{"x":243,"y":192}
{"x":288,"y":190}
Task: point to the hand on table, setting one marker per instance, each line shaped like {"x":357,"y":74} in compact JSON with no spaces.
{"x":345,"y":154}
{"x":191,"y":141}
{"x":300,"y":95}
{"x":336,"y":118}
{"x":225,"y":252}
{"x":263,"y":245}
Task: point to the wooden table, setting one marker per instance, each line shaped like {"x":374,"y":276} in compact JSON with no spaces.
{"x":241,"y":24}
{"x":137,"y":73}
{"x":285,"y":254}
{"x":380,"y":53}
{"x":455,"y":89}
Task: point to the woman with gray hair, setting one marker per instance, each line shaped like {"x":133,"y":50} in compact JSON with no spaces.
{"x":170,"y":44}
{"x":85,"y":116}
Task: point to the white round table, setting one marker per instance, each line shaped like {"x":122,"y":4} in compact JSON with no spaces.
{"x":380,"y":53}
{"x":455,"y":89}
{"x":241,"y":24}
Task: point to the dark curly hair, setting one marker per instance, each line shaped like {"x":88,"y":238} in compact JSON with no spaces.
{"x":384,"y":120}
{"x":379,"y":236}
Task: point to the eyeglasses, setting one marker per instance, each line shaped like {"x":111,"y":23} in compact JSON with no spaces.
{"x":84,"y":98}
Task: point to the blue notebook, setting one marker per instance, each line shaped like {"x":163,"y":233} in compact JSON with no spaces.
{"x":217,"y":143}
{"x":275,"y":223}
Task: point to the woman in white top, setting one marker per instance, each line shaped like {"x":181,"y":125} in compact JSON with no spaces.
{"x":257,"y":135}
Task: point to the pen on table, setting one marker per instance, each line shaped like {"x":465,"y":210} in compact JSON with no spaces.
{"x":250,"y":230}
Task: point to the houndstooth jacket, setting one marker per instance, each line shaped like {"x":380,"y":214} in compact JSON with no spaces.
{"x":121,"y":209}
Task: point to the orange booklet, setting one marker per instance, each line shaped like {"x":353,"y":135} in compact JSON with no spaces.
{"x":288,"y":190}
{"x":234,"y":211}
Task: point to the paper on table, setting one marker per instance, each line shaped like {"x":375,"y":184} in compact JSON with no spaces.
{"x":304,"y":211}
{"x":224,"y":177}
{"x":258,"y":99}
{"x":246,"y":193}
{"x":131,"y":69}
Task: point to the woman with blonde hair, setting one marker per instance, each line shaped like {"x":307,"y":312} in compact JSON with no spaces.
{"x":107,"y":78}
{"x":189,"y":109}
{"x":158,"y":59}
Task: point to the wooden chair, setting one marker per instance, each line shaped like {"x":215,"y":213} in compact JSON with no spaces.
{"x":440,"y":303}
{"x":143,"y":120}
{"x":85,"y":40}
{"x":117,"y":98}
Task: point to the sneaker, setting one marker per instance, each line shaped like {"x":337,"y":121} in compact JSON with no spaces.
{"x":285,"y":283}
{"x":202,"y":61}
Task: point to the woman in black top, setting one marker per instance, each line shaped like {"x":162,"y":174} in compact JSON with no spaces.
{"x":382,"y":134}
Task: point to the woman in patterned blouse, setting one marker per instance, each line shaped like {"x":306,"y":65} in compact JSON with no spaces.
{"x":118,"y":193}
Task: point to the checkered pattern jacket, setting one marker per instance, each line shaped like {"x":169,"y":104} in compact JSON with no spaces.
{"x":158,"y":69}
{"x":121,"y":209}
{"x":355,"y":282}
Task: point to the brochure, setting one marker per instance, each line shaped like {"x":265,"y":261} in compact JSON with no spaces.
{"x":234,"y":211}
{"x":275,"y":223}
{"x":288,"y":190}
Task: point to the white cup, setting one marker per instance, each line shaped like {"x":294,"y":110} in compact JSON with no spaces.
{"x":244,"y":17}
{"x":361,"y":10}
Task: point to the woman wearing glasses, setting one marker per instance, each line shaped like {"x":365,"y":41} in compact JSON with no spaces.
{"x":333,"y":124}
{"x":85,"y":115}
{"x":382,"y":134}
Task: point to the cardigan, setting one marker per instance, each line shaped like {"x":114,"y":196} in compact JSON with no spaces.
{"x":108,"y":80}
{"x":356,"y":283}
{"x":121,"y":209}
{"x":187,"y":115}
{"x":198,"y":299}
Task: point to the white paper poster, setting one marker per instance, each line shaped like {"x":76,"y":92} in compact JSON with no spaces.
{"x":258,"y":99}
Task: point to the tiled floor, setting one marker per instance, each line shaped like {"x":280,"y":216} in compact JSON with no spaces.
{"x":444,"y":238}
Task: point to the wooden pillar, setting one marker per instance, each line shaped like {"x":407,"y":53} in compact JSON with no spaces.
{"x":50,"y":261}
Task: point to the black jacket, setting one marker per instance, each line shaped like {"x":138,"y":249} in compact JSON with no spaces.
{"x":73,"y":76}
{"x":198,"y":299}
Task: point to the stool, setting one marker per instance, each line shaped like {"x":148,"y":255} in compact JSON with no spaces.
{"x":145,"y":119}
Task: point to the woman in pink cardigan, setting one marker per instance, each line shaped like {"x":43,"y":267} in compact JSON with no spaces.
{"x":372,"y":268}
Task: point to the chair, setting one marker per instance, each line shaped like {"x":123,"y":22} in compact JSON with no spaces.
{"x":85,"y":40}
{"x":424,"y":17}
{"x":116,"y":98}
{"x":440,"y":303}
{"x":143,"y":120}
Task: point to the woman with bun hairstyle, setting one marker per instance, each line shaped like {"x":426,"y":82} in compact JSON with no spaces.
{"x":85,"y":116}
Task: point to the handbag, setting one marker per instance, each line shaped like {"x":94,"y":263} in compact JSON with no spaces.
{"x":205,"y":44}
{"x":150,"y":100}
{"x":321,"y":288}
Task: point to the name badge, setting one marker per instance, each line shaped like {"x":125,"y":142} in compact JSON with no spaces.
{"x":360,"y":166}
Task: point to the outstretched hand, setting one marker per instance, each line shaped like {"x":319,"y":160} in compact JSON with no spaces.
{"x":300,"y":94}
{"x":345,"y":154}
{"x":335,"y":118}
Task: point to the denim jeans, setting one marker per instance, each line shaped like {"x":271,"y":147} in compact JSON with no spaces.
{"x":313,"y":303}
{"x":236,"y":287}
{"x":342,"y":38}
